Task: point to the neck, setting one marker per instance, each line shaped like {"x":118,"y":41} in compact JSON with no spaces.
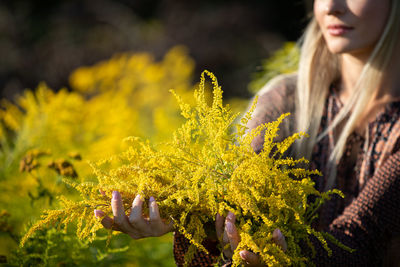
{"x":388,"y":91}
{"x":351,"y":68}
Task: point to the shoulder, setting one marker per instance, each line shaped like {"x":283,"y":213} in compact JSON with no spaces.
{"x":281,"y":86}
{"x":275,"y":98}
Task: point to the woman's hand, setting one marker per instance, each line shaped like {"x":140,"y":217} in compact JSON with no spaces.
{"x":135,"y":225}
{"x":228,"y":234}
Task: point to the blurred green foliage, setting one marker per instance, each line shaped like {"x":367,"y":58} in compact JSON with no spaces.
{"x":45,"y":136}
{"x":51,"y":247}
{"x":283,"y":61}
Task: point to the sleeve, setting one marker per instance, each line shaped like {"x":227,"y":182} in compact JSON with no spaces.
{"x":369,"y":223}
{"x":200,"y":258}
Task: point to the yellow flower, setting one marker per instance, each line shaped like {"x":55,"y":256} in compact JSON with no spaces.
{"x":205,"y":168}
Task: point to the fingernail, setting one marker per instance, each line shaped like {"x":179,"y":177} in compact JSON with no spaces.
{"x":151,"y":199}
{"x":280,"y":235}
{"x":230,"y":216}
{"x":115,"y":194}
{"x":242,"y":254}
{"x":98,"y":213}
{"x":229,"y":227}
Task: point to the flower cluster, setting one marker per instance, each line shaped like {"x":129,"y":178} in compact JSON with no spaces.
{"x":206,"y":168}
{"x":47,"y":135}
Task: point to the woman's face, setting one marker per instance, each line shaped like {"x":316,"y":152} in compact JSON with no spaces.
{"x":352,"y":26}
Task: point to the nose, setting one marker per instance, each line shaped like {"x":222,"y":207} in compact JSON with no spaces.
{"x":334,"y":7}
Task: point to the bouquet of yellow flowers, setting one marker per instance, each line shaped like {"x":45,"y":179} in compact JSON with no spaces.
{"x":205,"y":169}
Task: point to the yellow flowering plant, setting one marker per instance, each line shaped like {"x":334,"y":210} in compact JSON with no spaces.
{"x":205,"y":168}
{"x":47,"y":135}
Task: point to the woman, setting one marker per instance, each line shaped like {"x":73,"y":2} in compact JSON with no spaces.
{"x":346,"y":95}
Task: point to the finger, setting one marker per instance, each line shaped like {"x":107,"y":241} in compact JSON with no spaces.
{"x":250,"y":258}
{"x":167,"y":227}
{"x":170,"y":226}
{"x":154,"y":213}
{"x":120,"y":219}
{"x":136,"y":217}
{"x":117,"y":205}
{"x":99,"y":214}
{"x":227,"y":251}
{"x":232,"y":234}
{"x":107,"y":222}
{"x":279,"y":239}
{"x":219,"y":226}
{"x":231,"y":230}
{"x":159,"y":228}
{"x":231,"y":217}
{"x":225,"y":238}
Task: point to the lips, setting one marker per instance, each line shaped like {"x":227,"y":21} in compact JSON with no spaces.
{"x":338,"y":29}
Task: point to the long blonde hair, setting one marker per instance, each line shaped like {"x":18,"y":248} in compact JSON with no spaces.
{"x":319,"y":68}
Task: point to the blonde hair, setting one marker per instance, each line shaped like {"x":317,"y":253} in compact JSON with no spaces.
{"x":318,"y":69}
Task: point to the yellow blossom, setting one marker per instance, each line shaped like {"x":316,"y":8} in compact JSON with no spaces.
{"x":205,"y":168}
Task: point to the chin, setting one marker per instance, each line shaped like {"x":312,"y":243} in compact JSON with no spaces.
{"x":339,"y":45}
{"x":339,"y":48}
{"x":355,"y":51}
{"x":337,"y":51}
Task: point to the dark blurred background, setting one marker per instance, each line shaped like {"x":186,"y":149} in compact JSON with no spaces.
{"x":44,"y":40}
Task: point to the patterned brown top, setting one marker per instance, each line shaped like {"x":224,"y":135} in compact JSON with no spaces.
{"x":368,"y":218}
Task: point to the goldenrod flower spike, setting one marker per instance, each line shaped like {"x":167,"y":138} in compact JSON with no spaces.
{"x":204,"y":168}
